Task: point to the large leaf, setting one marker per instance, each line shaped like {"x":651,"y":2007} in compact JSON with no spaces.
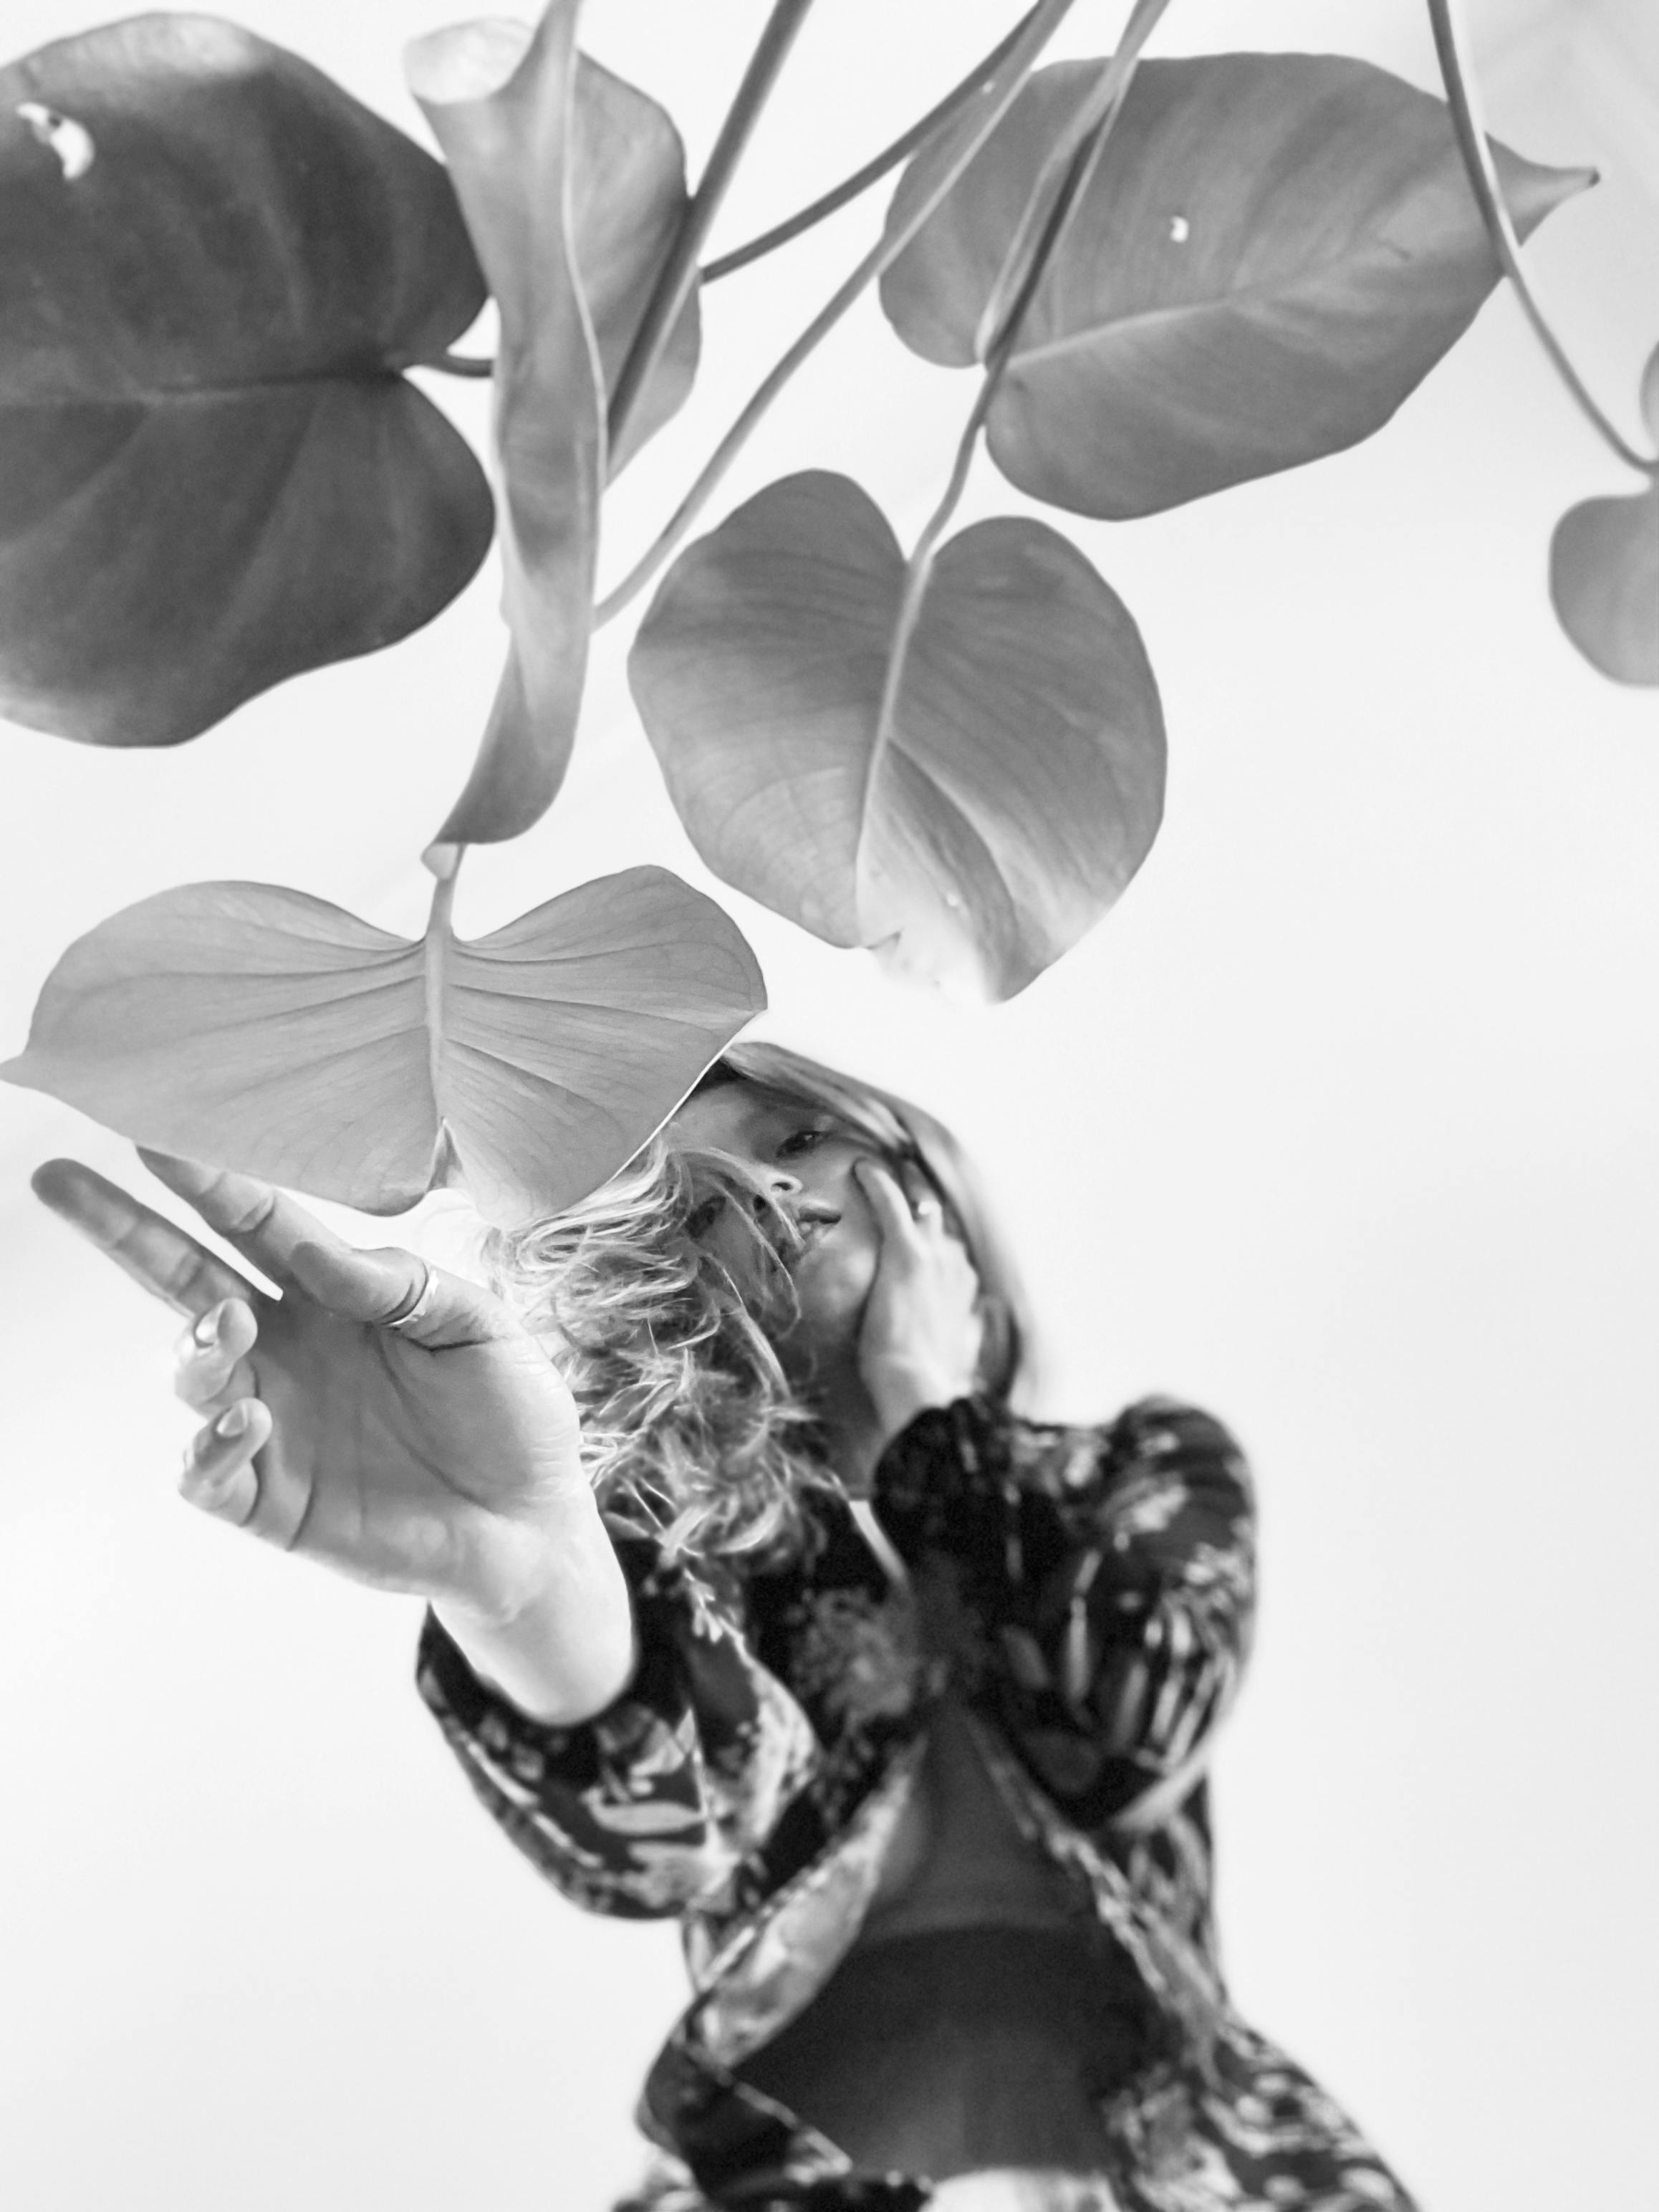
{"x":1272,"y":253}
{"x":967,"y":794}
{"x":261,"y":1029}
{"x":502,"y":106}
{"x":214,"y":263}
{"x":1604,"y":570}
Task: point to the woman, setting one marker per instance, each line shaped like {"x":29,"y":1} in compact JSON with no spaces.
{"x":753,"y":1602}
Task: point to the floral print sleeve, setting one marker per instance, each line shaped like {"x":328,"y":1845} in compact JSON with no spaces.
{"x":1106,"y":1576}
{"x":647,"y":1809}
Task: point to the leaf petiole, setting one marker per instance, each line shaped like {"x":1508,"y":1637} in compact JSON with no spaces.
{"x":1080,"y":149}
{"x":1040,"y":26}
{"x":461,"y":364}
{"x":1073,"y":160}
{"x":678,"y":274}
{"x":874,"y":170}
{"x":1470,"y":126}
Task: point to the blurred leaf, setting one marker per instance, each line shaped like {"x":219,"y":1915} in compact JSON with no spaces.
{"x":214,"y":262}
{"x":1274,"y":252}
{"x":500,"y":102}
{"x":1604,"y":579}
{"x":968,"y":796}
{"x":261,"y":1029}
{"x":628,"y":197}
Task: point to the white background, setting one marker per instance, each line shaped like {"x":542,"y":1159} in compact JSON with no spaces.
{"x":1342,"y":1124}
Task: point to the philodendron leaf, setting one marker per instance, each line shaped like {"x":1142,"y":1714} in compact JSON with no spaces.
{"x":628,"y":198}
{"x":1604,"y":570}
{"x":501,"y":102}
{"x":964,"y":785}
{"x":1272,"y":253}
{"x":1604,"y":579}
{"x":264,"y":1030}
{"x":214,"y":262}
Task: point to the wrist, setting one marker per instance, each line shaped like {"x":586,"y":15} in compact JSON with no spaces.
{"x":900,"y":1389}
{"x":515,"y":1565}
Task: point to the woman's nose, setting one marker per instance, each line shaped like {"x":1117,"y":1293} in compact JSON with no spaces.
{"x":782,"y":1185}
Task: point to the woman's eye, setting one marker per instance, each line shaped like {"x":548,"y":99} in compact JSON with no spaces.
{"x":800,"y":1140}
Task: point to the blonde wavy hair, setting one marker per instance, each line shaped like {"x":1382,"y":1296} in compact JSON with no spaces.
{"x":692,"y":1432}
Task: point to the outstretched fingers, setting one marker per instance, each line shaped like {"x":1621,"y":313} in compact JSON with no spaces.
{"x":169,"y":1263}
{"x":263,"y":1223}
{"x":297,"y":1251}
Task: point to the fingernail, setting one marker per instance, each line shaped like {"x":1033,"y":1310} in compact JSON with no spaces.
{"x":206,"y":1331}
{"x":232,"y":1423}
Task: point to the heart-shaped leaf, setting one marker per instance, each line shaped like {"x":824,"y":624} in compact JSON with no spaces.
{"x":1604,"y":570}
{"x":1272,"y":253}
{"x":502,"y":105}
{"x":211,"y":476}
{"x":964,"y":781}
{"x":1604,"y":579}
{"x":628,"y":199}
{"x":264,"y":1030}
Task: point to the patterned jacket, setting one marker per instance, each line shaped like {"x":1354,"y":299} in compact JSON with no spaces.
{"x":1087,"y":1592}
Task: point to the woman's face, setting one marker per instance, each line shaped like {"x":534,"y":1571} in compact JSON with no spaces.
{"x":805,"y":1158}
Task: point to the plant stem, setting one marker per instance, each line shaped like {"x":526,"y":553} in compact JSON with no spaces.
{"x":1472,"y":141}
{"x":873,"y":171}
{"x":444,"y":862}
{"x":1069,"y":162}
{"x":461,"y":364}
{"x":1043,"y":20}
{"x":679,"y":273}
{"x":1081,"y":147}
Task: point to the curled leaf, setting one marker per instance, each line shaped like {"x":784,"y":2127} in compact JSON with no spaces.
{"x":628,"y":199}
{"x":1272,"y":253}
{"x":1604,"y":581}
{"x":964,"y":781}
{"x":264,"y":1030}
{"x":212,"y":476}
{"x":572,"y":183}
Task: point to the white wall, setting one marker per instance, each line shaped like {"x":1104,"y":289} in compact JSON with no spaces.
{"x":1343,"y":1124}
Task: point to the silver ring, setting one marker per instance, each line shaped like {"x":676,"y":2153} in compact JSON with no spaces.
{"x":422,"y":1302}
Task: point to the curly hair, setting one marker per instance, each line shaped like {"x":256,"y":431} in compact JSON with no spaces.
{"x":691,"y":1431}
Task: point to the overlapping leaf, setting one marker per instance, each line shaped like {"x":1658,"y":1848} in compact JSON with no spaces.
{"x":965,"y":786}
{"x":572,"y":183}
{"x":502,"y":106}
{"x":268,"y":1031}
{"x":628,"y":197}
{"x":212,"y":475}
{"x":1274,"y":252}
{"x":1604,"y":570}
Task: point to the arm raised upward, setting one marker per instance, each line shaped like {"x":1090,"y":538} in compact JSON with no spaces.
{"x":440,"y":1458}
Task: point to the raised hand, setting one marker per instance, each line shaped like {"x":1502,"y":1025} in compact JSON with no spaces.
{"x":919,"y":1341}
{"x":436,"y":1458}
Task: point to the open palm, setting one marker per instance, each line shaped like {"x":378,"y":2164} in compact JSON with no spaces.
{"x":426,"y":1459}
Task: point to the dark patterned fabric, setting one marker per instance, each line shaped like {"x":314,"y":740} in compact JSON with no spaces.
{"x":1086,"y":1592}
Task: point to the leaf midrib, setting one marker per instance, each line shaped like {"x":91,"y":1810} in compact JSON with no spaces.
{"x":156,"y":395}
{"x":1270,"y":287}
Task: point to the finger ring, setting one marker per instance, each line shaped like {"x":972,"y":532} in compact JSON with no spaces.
{"x":422,"y":1302}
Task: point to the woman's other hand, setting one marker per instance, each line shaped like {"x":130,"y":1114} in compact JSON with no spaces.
{"x":440,"y":1458}
{"x":919,"y":1344}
